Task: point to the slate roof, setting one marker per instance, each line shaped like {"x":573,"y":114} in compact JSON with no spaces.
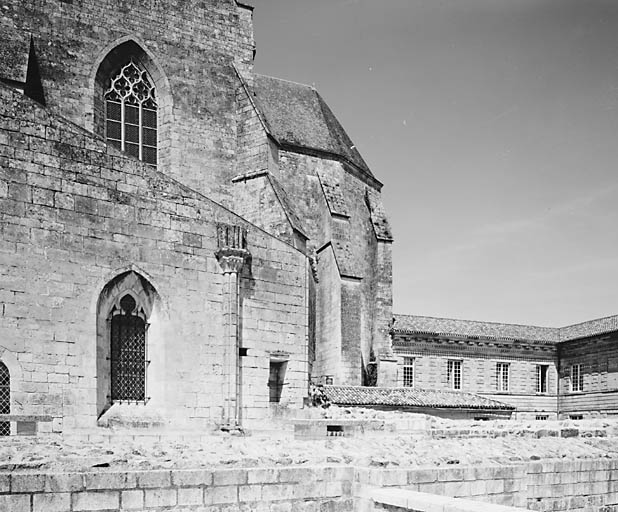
{"x":410,"y":324}
{"x":298,"y":116}
{"x":410,"y":397}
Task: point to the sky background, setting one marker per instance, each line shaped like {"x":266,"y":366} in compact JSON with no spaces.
{"x":493,"y":125}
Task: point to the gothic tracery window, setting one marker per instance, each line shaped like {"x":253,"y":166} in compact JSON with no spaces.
{"x":128,"y":351}
{"x":5,"y":399}
{"x":131,"y":113}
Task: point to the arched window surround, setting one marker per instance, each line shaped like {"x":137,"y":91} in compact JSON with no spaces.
{"x":109,"y":307}
{"x":107,"y":65}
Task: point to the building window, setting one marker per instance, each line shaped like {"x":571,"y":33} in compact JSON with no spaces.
{"x":542,"y":378}
{"x":502,"y":376}
{"x":408,"y":372}
{"x":577,"y":378}
{"x":276,"y":380}
{"x":131,"y":113}
{"x":453,"y":374}
{"x":5,"y":399}
{"x":128,"y":352}
{"x":541,"y":417}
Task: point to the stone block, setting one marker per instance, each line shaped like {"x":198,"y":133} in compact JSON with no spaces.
{"x":132,"y":500}
{"x":221,"y":495}
{"x":15,"y":502}
{"x":64,"y":482}
{"x":263,"y":476}
{"x":110,"y":480}
{"x":160,"y":497}
{"x":230,"y":477}
{"x":191,"y":477}
{"x":249,"y":493}
{"x":24,"y":482}
{"x":154,"y":479}
{"x":96,"y":500}
{"x":51,"y":502}
{"x":190,"y":496}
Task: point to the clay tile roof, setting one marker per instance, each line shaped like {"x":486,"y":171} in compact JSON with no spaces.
{"x":589,"y":328}
{"x":409,"y":397}
{"x":469,"y":328}
{"x":298,"y":116}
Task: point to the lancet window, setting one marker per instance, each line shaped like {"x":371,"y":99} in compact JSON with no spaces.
{"x":5,"y":398}
{"x":128,"y":351}
{"x":131,"y":113}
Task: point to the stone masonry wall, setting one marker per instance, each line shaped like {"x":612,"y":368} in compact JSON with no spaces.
{"x":75,"y":214}
{"x":303,"y":489}
{"x":479,"y":360}
{"x":576,"y":485}
{"x":332,"y":202}
{"x":193,"y":46}
{"x":599,"y":366}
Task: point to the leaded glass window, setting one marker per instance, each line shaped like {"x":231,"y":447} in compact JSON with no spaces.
{"x":5,"y":399}
{"x":128,"y":352}
{"x":131,"y":113}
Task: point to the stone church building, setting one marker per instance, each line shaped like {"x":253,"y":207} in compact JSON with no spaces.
{"x":185,"y":241}
{"x":181,"y":237}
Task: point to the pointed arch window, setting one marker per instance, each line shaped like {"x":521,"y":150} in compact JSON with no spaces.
{"x":5,"y":398}
{"x":131,"y":113}
{"x":128,"y":351}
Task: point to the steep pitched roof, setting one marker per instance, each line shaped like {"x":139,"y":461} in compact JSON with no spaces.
{"x":411,"y":324}
{"x":297,"y":115}
{"x":410,"y":397}
{"x":450,"y":326}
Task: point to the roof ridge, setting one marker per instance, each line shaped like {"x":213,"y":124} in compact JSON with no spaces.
{"x":286,"y":80}
{"x":479,"y":321}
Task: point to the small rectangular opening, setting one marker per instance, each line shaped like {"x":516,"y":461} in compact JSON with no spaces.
{"x":334,"y":430}
{"x":576,"y":416}
{"x":276,"y":380}
{"x":541,"y":417}
{"x":26,"y":428}
{"x":242,"y":351}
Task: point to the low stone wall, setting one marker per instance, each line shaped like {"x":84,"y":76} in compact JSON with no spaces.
{"x":412,"y":501}
{"x":281,"y":489}
{"x":576,"y":486}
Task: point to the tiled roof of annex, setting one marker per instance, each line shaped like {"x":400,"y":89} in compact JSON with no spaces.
{"x":411,"y":324}
{"x":296,"y":115}
{"x":410,"y":397}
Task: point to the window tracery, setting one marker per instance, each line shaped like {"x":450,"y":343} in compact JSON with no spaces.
{"x":131,"y":113}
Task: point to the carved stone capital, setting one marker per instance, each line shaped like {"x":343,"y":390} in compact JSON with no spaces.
{"x":231,"y":259}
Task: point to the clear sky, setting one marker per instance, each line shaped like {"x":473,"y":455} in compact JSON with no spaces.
{"x":493,"y":125}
